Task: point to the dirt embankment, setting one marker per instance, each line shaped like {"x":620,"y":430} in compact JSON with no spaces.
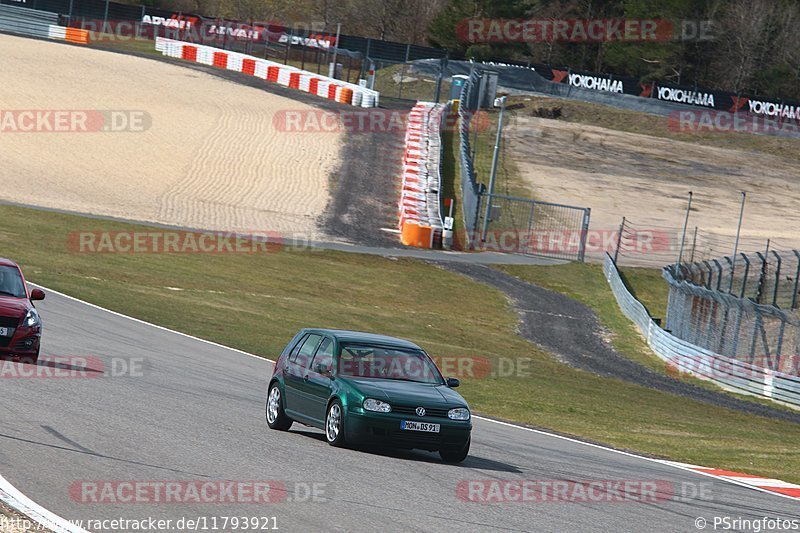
{"x":646,"y":179}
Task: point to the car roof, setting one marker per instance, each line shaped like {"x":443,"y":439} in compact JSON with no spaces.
{"x":7,"y":262}
{"x":368,"y":338}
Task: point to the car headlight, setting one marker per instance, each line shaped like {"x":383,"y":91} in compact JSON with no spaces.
{"x":459,"y":413}
{"x":32,"y":319}
{"x":371,"y":404}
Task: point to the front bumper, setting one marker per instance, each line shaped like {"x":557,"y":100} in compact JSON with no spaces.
{"x":24,"y":341}
{"x":384,"y":428}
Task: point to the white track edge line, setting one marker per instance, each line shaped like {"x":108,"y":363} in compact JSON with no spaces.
{"x":507,"y":424}
{"x":10,"y":495}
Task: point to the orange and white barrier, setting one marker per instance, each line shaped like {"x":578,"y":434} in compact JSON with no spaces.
{"x":288,"y":76}
{"x":73,"y":35}
{"x":420,"y":216}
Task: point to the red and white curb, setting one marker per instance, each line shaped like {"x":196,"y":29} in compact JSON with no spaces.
{"x":35,"y":512}
{"x":764,"y":484}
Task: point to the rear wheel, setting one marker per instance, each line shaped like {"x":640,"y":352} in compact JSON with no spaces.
{"x":276,"y":417}
{"x":334,"y":424}
{"x":455,"y":456}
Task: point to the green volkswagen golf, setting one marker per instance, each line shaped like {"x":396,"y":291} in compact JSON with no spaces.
{"x":366,"y":388}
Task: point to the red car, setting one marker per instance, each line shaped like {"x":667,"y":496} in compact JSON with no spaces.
{"x":20,"y":325}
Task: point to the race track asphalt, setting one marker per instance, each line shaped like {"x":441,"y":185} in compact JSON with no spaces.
{"x":195,"y":413}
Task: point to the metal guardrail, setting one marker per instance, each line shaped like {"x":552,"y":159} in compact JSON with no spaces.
{"x":470,"y":191}
{"x":731,"y":374}
{"x":24,"y":21}
{"x":436,"y":158}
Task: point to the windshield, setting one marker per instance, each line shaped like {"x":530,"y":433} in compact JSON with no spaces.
{"x":11,"y":282}
{"x":387,"y":362}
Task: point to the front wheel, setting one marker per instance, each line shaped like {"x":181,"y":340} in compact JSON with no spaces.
{"x":276,"y":417}
{"x":334,"y":424}
{"x":455,"y":456}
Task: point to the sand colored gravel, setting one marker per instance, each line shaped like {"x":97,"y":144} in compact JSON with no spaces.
{"x":211,"y":158}
{"x":646,"y":179}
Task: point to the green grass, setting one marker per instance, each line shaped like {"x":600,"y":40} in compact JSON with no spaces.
{"x":587,"y":284}
{"x":123,"y":44}
{"x":397,"y":81}
{"x":649,"y":287}
{"x":266,"y":297}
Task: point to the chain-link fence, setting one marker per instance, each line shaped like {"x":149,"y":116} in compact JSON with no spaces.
{"x":519,"y":225}
{"x":398,"y":80}
{"x":639,"y":245}
{"x":502,"y":221}
{"x":744,"y":307}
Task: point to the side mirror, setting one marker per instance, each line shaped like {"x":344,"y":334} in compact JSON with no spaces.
{"x":322,"y":368}
{"x":37,"y":294}
{"x":453,"y":383}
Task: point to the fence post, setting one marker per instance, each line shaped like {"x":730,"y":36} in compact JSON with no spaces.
{"x":780,"y":345}
{"x":746,"y":274}
{"x":584,"y":231}
{"x":719,"y":273}
{"x":736,"y":244}
{"x":685,"y":223}
{"x":442,"y":68}
{"x":796,"y":279}
{"x":493,"y":173}
{"x":288,"y":46}
{"x":777,"y":279}
{"x":756,"y":328}
{"x":403,"y":72}
{"x":738,"y":331}
{"x":138,"y":26}
{"x":105,"y":14}
{"x":530,"y":227}
{"x":710,"y":272}
{"x":619,"y":239}
{"x":365,"y":59}
{"x":760,"y":292}
{"x":730,"y":263}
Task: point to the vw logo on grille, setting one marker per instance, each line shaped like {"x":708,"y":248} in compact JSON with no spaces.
{"x":420,"y":411}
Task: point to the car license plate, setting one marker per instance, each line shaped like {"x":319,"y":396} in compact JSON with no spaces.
{"x":4,"y":332}
{"x":419,"y":426}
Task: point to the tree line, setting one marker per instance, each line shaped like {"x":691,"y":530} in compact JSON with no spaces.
{"x":748,"y":46}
